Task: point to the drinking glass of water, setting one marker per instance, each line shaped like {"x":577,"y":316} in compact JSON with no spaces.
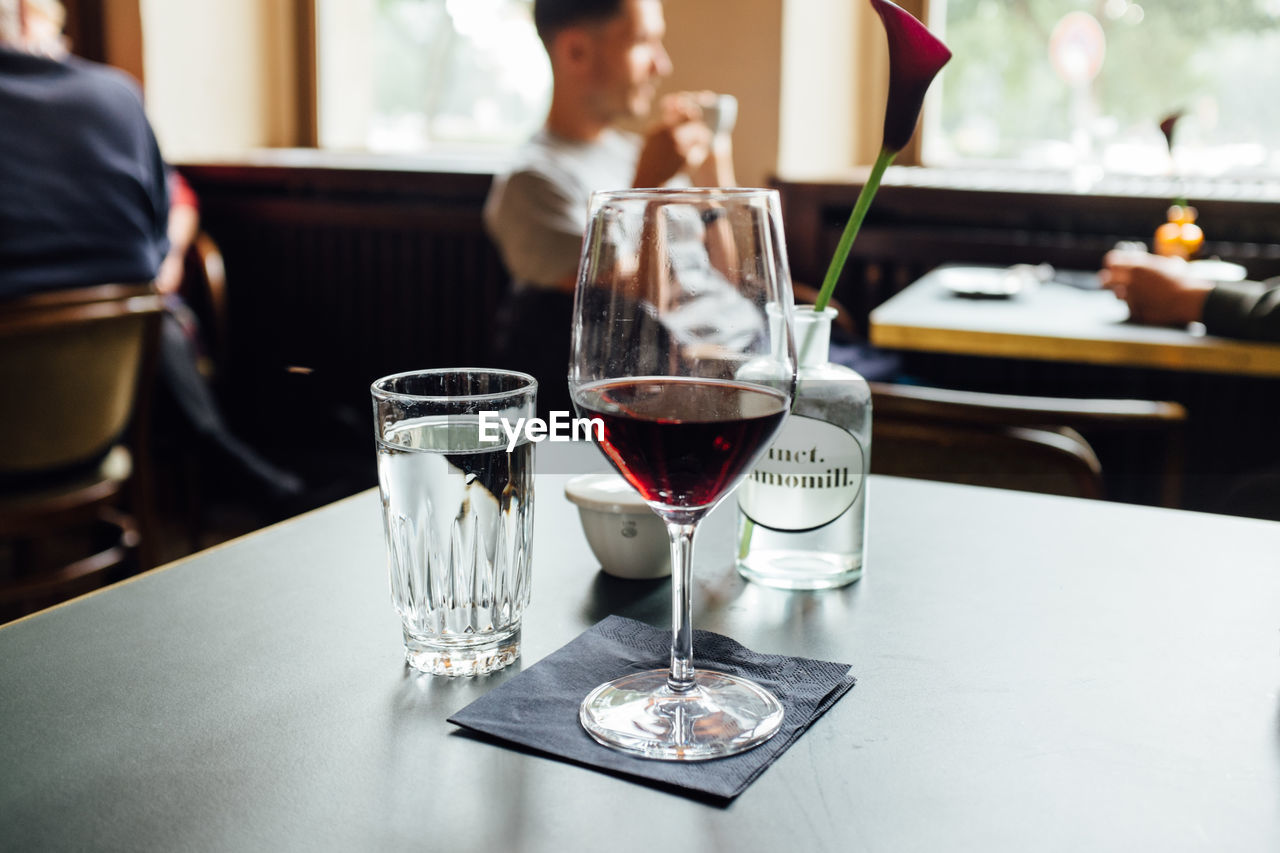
{"x":458,"y":513}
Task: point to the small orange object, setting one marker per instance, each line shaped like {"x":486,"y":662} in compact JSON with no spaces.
{"x":1180,"y":237}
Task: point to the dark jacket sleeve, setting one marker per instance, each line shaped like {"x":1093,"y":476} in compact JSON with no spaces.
{"x":1246,"y":309}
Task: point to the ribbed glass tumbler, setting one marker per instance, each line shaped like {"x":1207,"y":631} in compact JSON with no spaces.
{"x":458,"y":514}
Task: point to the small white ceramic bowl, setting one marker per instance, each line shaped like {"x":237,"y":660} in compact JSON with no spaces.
{"x":628,"y":539}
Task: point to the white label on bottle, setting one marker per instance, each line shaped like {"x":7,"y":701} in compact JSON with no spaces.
{"x":809,"y":477}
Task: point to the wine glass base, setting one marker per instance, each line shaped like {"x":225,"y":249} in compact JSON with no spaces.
{"x":720,"y":716}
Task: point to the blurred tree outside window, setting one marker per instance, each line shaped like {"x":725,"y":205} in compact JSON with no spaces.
{"x":434,"y":75}
{"x":1084,"y":84}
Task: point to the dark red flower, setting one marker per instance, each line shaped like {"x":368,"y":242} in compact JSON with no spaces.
{"x":1167,"y":125}
{"x":915,"y":58}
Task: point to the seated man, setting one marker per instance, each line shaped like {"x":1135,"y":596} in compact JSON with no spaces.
{"x":606,"y":59}
{"x":1163,"y":292}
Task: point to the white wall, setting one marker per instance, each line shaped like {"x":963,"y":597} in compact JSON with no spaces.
{"x":815,"y":133}
{"x":735,"y":47}
{"x":810,"y":75}
{"x":344,"y":36}
{"x":220,"y":75}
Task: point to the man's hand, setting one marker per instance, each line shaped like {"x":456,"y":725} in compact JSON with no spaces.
{"x":169,"y":277}
{"x":183,"y":225}
{"x":716,"y":169}
{"x":1160,"y":291}
{"x":678,"y":143}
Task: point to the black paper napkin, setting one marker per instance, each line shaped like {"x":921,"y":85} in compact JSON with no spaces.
{"x":538,"y":709}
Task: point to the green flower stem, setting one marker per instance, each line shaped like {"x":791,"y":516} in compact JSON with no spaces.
{"x":860,"y":208}
{"x":744,"y":544}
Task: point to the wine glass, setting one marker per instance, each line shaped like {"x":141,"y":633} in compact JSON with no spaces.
{"x":682,"y":347}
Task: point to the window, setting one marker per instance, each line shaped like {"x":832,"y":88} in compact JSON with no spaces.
{"x":415,"y":75}
{"x":1084,"y":84}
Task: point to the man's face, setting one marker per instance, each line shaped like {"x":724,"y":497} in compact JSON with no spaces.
{"x":630,"y":59}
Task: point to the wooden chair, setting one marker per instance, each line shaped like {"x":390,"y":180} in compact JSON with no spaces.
{"x":204,"y":288}
{"x":75,"y":378}
{"x":1016,"y":442}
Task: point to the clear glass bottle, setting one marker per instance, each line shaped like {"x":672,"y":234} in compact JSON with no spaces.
{"x":802,"y":512}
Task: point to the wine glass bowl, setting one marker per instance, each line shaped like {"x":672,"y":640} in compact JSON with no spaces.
{"x":682,"y":443}
{"x":682,"y":348}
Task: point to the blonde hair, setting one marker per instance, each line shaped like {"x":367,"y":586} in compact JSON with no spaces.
{"x":40,"y":32}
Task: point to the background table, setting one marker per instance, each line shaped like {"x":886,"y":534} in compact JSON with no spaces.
{"x":1034,"y":673}
{"x":1054,"y":322}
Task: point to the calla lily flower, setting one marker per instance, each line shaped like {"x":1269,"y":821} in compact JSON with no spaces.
{"x":1167,"y":126}
{"x":915,"y":58}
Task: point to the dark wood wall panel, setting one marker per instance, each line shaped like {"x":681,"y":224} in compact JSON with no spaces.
{"x":355,"y":271}
{"x":347,"y":280}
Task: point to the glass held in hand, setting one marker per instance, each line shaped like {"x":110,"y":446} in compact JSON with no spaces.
{"x":682,"y":347}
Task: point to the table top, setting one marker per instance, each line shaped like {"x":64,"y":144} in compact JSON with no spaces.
{"x":1034,"y":673}
{"x":1054,"y":322}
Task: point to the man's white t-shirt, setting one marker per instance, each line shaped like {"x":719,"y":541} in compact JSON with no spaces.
{"x":537,"y":213}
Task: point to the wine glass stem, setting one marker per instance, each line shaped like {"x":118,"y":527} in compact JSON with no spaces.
{"x":681,"y":678}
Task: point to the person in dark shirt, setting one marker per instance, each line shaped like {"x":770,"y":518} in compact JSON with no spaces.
{"x":1163,"y":292}
{"x":84,"y":200}
{"x":83,"y":196}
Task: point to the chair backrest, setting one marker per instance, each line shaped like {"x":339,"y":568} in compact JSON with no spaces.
{"x":204,"y":289}
{"x":1019,"y":442}
{"x":70,"y":363}
{"x":1029,"y":460}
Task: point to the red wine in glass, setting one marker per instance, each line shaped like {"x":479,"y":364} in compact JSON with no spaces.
{"x":682,"y":442}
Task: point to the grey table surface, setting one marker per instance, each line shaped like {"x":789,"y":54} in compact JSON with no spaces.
{"x":1053,"y":322}
{"x":1035,"y":673}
